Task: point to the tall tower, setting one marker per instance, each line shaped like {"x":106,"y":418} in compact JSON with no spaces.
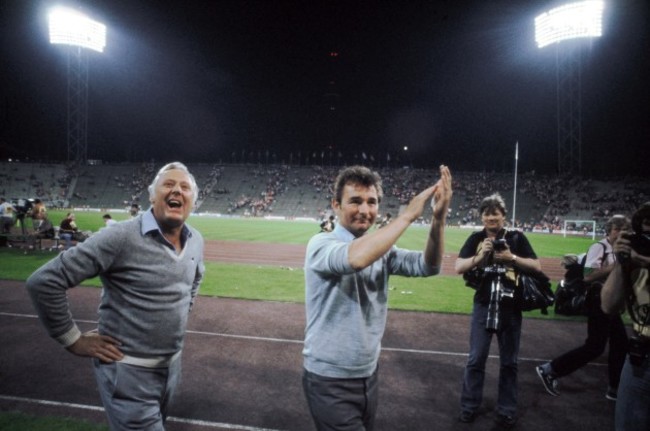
{"x":331,"y":104}
{"x":560,"y":26}
{"x":69,"y":27}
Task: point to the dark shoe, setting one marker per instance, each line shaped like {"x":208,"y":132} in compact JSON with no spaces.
{"x":466,"y":416}
{"x":550,"y":382}
{"x":505,"y":421}
{"x":611,"y":394}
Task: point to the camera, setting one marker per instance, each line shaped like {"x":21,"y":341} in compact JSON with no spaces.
{"x":23,"y":206}
{"x":638,"y":351}
{"x":492,"y":320}
{"x":499,"y":244}
{"x":639,"y":242}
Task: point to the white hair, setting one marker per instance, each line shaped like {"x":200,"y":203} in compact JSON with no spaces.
{"x":180,"y":167}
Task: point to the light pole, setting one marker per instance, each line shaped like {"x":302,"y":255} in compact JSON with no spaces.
{"x":570,"y":21}
{"x":69,"y":27}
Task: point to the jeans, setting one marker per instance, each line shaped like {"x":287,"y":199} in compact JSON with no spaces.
{"x":508,"y":335}
{"x":633,"y":403}
{"x":342,"y":404}
{"x":67,"y":237}
{"x":600,"y":328}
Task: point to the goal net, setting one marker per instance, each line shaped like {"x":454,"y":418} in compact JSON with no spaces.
{"x":580,"y":227}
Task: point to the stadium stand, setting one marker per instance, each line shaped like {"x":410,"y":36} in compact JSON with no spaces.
{"x":291,"y":191}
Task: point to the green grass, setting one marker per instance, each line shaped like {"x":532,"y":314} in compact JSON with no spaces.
{"x":14,"y":421}
{"x":443,"y":294}
{"x":299,"y":232}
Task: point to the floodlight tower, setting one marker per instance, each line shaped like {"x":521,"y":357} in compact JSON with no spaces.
{"x":570,"y":21}
{"x":69,"y":27}
{"x":332,"y":99}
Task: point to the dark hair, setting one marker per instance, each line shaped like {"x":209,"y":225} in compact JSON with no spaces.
{"x":357,"y":175}
{"x":643,"y":212}
{"x":106,"y":216}
{"x":619,"y":221}
{"x":491,"y":203}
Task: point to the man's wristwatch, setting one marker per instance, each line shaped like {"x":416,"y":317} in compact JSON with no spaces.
{"x":514,"y":259}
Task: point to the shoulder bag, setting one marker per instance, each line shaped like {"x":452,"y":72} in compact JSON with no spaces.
{"x":536,"y":291}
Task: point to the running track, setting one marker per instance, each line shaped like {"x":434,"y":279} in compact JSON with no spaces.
{"x":242,"y":367}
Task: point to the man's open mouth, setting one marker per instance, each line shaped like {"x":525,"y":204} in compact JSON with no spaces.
{"x":173,"y":203}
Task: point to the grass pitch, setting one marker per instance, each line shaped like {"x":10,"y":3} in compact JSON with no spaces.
{"x":443,"y":294}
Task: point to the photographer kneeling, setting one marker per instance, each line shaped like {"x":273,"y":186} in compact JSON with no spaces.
{"x":628,"y":286}
{"x":489,"y":261}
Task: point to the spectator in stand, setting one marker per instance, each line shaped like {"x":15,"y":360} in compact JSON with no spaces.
{"x":38,"y":210}
{"x":68,"y":229}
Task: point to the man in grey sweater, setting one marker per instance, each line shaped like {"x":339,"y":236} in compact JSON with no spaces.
{"x":346,"y":294}
{"x":151,"y":268}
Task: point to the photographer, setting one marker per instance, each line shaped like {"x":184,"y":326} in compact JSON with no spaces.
{"x":601,"y":328}
{"x":38,"y":211}
{"x":23,"y":209}
{"x":489,"y":261}
{"x":628,"y":286}
{"x":7,"y":213}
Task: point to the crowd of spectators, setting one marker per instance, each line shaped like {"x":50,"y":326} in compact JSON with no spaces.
{"x":45,"y":181}
{"x":211,"y":183}
{"x":546,"y":200}
{"x":260,"y":203}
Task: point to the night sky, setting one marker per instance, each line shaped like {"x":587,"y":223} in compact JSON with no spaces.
{"x":458,"y":82}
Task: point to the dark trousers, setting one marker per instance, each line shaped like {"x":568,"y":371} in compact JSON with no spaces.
{"x":341,"y":404}
{"x":600,"y":328}
{"x":633,"y":404}
{"x":508,"y":337}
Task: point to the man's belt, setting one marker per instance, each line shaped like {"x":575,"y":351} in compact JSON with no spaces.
{"x":151,"y":361}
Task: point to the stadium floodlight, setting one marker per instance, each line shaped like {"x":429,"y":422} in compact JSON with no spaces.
{"x":80,"y":34}
{"x":70,"y":27}
{"x":570,"y":21}
{"x":578,"y":20}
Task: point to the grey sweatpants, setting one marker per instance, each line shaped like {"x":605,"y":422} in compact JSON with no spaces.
{"x":136,"y":397}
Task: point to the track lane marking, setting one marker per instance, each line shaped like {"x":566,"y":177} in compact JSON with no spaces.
{"x":210,"y":424}
{"x":294,"y":341}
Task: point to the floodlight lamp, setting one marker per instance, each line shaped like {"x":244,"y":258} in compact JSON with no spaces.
{"x":570,"y":21}
{"x":70,"y":27}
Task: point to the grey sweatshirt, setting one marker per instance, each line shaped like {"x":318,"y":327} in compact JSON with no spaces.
{"x":147,"y":293}
{"x":346,"y":309}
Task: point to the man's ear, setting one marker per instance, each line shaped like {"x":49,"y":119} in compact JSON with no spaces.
{"x":336,"y":205}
